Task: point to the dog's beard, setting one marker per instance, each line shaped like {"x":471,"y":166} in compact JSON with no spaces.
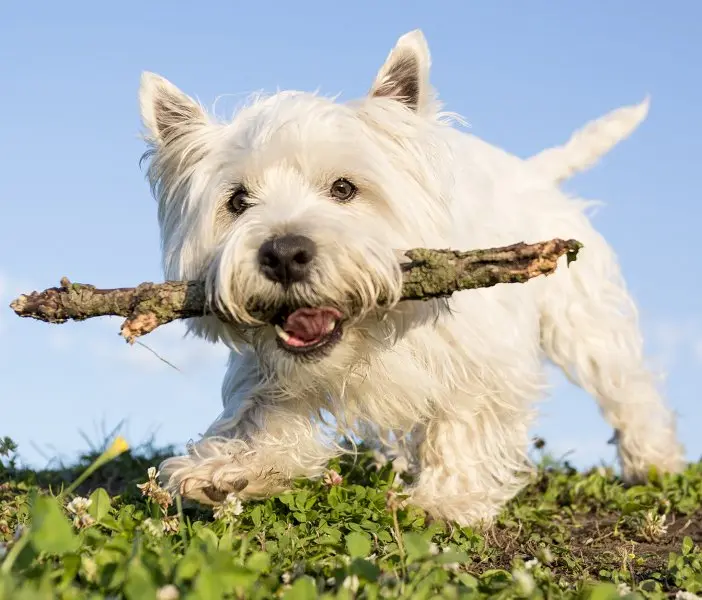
{"x":299,"y":322}
{"x":306,"y":319}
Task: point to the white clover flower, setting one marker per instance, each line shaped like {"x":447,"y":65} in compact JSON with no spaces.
{"x":351,"y":583}
{"x":530,"y":564}
{"x":623,"y":589}
{"x":332,"y":478}
{"x":154,"y":528}
{"x":152,"y":489}
{"x":83,"y":521}
{"x":170,"y":524}
{"x":78,"y":505}
{"x":89,"y":567}
{"x":546,"y":555}
{"x":229,"y":509}
{"x":168,"y":592}
{"x":653,"y":527}
{"x":525,"y":581}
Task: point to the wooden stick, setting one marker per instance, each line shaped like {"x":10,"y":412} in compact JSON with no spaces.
{"x":429,"y":274}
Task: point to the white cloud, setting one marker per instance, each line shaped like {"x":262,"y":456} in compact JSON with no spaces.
{"x":100,"y":338}
{"x":168,"y":343}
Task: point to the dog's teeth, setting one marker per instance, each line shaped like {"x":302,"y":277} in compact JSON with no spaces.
{"x":331,"y":326}
{"x":281,"y":333}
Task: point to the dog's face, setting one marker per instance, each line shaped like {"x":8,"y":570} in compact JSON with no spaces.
{"x":297,"y":211}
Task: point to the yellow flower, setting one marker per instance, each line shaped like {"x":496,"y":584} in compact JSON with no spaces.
{"x":119,"y":446}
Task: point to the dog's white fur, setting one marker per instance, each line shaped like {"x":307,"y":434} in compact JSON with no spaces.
{"x":451,"y":382}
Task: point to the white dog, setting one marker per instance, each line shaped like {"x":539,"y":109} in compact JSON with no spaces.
{"x":297,"y":212}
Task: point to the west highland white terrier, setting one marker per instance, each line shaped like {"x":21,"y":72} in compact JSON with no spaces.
{"x":297,"y":212}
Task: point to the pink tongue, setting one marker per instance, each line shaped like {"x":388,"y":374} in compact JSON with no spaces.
{"x":308,"y":325}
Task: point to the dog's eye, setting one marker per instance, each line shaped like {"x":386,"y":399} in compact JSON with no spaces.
{"x":343,"y":190}
{"x":237,"y":201}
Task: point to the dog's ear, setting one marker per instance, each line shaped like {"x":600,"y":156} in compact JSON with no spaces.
{"x":405,"y":74}
{"x":167,"y":112}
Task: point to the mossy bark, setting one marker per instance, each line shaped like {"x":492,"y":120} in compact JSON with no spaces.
{"x":429,"y":274}
{"x":437,"y":273}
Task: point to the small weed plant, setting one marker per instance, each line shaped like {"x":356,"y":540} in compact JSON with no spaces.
{"x":104,"y":528}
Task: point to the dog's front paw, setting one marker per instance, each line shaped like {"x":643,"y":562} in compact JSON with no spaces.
{"x":208,"y":474}
{"x":201,"y":481}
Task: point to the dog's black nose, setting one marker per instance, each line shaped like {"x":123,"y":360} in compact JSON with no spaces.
{"x":287,"y":259}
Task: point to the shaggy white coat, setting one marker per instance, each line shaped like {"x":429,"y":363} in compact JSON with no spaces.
{"x":452,"y":384}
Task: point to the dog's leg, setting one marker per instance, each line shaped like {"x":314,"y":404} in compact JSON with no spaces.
{"x":472,"y":464}
{"x":257,"y":445}
{"x":590,"y":329}
{"x":257,"y":455}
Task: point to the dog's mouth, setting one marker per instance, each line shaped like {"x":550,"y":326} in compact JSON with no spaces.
{"x":308,"y":331}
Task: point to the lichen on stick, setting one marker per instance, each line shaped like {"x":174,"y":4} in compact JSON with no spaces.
{"x":428,"y":274}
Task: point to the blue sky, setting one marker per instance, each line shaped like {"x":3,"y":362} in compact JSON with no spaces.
{"x":74,"y":202}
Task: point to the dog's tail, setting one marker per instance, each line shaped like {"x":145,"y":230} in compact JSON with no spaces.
{"x":587,"y":145}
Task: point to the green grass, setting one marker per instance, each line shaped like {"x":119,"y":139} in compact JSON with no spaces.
{"x":568,"y":534}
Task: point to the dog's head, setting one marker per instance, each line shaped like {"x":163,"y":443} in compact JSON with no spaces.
{"x":297,"y":211}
